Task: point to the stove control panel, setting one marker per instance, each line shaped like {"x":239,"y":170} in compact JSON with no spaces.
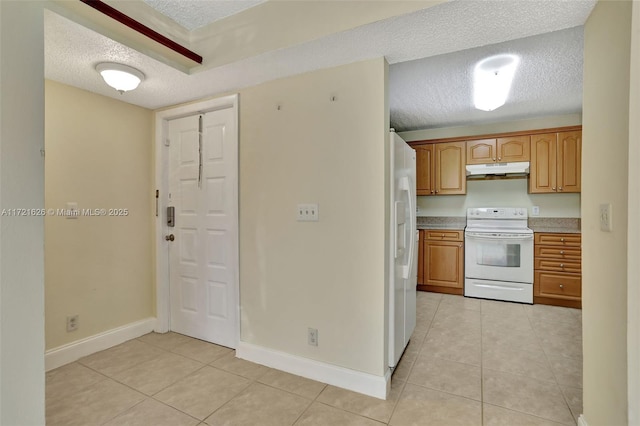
{"x":497,"y":212}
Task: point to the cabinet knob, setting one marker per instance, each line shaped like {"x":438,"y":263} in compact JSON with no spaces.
{"x":560,"y":188}
{"x":436,"y":191}
{"x":562,"y":240}
{"x":562,"y":265}
{"x":561,"y":286}
{"x":442,"y":235}
{"x":562,"y":252}
{"x":494,"y":158}
{"x":499,"y":158}
{"x":553,"y":187}
{"x":460,"y":246}
{"x":432,"y":191}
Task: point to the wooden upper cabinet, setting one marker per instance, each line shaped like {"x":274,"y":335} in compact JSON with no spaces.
{"x":482,"y":151}
{"x":542,"y":170}
{"x":424,"y":170}
{"x":555,"y":162}
{"x":513,"y":149}
{"x":569,"y":161}
{"x":449,"y":167}
{"x":440,"y":169}
{"x":500,"y":150}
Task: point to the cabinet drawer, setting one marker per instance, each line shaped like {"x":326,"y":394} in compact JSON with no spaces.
{"x":555,"y":252}
{"x":558,"y":265}
{"x":567,"y":240}
{"x":550,"y":284}
{"x":444,"y":235}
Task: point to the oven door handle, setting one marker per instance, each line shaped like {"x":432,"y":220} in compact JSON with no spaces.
{"x":499,"y":287}
{"x":492,"y":237}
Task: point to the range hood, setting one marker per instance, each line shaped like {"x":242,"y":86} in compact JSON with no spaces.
{"x":519,"y":168}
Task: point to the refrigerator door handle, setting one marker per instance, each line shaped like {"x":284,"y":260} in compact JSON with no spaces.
{"x":405,"y":185}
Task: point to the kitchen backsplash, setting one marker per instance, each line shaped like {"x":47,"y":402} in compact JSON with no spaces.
{"x":500,"y":193}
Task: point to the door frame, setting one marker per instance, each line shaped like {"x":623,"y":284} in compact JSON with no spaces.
{"x":163,"y":294}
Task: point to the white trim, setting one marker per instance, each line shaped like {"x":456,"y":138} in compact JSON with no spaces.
{"x":68,"y":353}
{"x":162,"y":182}
{"x":582,"y":421}
{"x":357,"y":381}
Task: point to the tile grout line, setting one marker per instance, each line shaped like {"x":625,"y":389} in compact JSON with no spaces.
{"x":553,"y":372}
{"x":404,"y":386}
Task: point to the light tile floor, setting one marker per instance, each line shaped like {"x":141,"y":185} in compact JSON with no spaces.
{"x":469,"y":362}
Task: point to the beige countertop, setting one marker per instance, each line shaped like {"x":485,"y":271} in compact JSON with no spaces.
{"x":562,"y":225}
{"x":537,"y":224}
{"x":442,"y":222}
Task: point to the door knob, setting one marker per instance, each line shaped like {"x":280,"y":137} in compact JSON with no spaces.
{"x":169,"y":237}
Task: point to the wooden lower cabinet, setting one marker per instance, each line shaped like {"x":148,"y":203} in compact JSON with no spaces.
{"x":441,"y":261}
{"x":557,"y":277}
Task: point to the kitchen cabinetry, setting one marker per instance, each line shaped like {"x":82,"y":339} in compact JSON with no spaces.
{"x":440,"y":169}
{"x":442,"y":258}
{"x":555,"y":162}
{"x":557,"y":276}
{"x":498,"y":150}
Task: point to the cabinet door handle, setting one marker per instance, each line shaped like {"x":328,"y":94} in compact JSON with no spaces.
{"x":562,"y":240}
{"x":562,"y":252}
{"x":560,"y":188}
{"x":499,"y":158}
{"x":562,"y":265}
{"x":561,"y":286}
{"x":494,"y":158}
{"x":460,"y":246}
{"x":553,"y":187}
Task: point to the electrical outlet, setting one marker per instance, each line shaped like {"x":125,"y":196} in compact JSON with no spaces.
{"x":606,"y":217}
{"x":535,"y":211}
{"x":307,"y":212}
{"x":72,"y":322}
{"x":312,"y":336}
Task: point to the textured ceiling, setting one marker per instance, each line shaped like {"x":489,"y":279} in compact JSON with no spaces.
{"x":431,"y":51}
{"x":438,"y":91}
{"x":192,"y":14}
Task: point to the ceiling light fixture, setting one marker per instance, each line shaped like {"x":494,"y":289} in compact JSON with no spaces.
{"x":119,"y":76}
{"x":492,"y":79}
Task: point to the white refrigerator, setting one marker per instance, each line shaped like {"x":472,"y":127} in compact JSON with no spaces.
{"x":404,"y":249}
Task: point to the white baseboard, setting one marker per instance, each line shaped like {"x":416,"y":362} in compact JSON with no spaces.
{"x":357,"y":381}
{"x":73,"y":351}
{"x":582,"y":421}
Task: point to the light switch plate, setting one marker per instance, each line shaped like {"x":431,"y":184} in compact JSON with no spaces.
{"x":307,"y":213}
{"x":606,"y":217}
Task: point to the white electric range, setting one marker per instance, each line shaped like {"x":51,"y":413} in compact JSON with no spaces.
{"x":498,"y":254}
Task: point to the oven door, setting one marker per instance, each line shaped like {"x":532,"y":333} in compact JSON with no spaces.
{"x":499,"y":256}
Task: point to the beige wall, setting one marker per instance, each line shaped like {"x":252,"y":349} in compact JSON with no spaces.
{"x":98,"y":154}
{"x":633,"y":253}
{"x":500,"y":127}
{"x":605,"y":180}
{"x":21,"y":186}
{"x":502,"y":193}
{"x":330,"y":274}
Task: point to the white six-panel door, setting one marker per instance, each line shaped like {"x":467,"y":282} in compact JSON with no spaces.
{"x":203,"y":258}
